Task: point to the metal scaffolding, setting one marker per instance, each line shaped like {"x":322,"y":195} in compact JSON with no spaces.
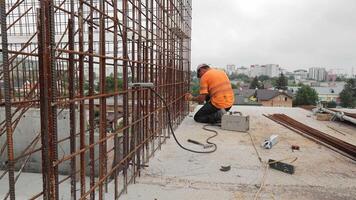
{"x":68,"y":64}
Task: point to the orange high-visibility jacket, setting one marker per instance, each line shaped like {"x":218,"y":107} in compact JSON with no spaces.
{"x":216,"y":83}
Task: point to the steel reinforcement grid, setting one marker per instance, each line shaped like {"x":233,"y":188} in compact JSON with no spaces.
{"x":67,"y":111}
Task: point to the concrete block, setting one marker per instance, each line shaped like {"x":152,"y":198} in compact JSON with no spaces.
{"x":235,"y":122}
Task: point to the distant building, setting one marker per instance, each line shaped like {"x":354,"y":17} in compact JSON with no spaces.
{"x":274,"y":98}
{"x":263,"y":97}
{"x":331,"y":76}
{"x":245,"y":97}
{"x":243,"y":70}
{"x":300,"y":74}
{"x":318,"y":74}
{"x":325,"y":94}
{"x":256,"y":70}
{"x":271,"y":70}
{"x":328,"y":94}
{"x":230,"y":69}
{"x":282,"y":71}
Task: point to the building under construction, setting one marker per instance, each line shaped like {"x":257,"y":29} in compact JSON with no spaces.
{"x":90,"y":89}
{"x":69,"y":109}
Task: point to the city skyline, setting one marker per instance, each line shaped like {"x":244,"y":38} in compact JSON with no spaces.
{"x":293,"y":34}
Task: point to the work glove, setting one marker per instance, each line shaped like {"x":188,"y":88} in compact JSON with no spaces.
{"x":188,"y":97}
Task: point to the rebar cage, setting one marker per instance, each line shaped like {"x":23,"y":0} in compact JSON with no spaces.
{"x":67,"y":110}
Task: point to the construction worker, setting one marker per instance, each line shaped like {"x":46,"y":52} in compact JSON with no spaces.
{"x":215,"y":88}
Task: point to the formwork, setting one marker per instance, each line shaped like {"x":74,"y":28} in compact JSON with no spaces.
{"x":67,"y":110}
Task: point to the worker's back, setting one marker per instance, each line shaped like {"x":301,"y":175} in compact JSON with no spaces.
{"x":216,"y":83}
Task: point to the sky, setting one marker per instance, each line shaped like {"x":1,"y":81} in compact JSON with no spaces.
{"x":296,"y":34}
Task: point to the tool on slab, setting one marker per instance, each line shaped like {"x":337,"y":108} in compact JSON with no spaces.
{"x":295,"y":147}
{"x":280,"y":166}
{"x":269,"y":142}
{"x":225,"y":168}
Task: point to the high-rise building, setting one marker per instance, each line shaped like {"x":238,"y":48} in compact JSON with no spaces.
{"x":317,"y":73}
{"x":243,"y":70}
{"x":230,"y":69}
{"x":300,"y":74}
{"x":271,"y":70}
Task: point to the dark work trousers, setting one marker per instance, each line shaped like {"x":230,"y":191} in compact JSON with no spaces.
{"x":208,"y":114}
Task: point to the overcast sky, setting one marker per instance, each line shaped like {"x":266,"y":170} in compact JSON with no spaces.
{"x":292,"y":33}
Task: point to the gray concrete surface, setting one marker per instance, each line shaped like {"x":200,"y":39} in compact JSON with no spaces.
{"x":320,"y":173}
{"x":174,"y":174}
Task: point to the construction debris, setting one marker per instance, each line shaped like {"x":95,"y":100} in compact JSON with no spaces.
{"x":342,"y":116}
{"x":331,"y":142}
{"x":295,"y":147}
{"x":323,"y":116}
{"x":225,"y":168}
{"x":271,"y":141}
{"x":283,"y":167}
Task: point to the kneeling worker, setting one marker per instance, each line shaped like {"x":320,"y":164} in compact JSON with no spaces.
{"x":215,"y":87}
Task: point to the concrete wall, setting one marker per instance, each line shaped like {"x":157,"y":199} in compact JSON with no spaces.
{"x":28,"y":128}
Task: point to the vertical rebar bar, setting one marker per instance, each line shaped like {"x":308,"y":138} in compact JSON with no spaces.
{"x":9,"y":131}
{"x":91,"y":101}
{"x":72,"y":117}
{"x":125,"y":86}
{"x":81,"y":94}
{"x":116,"y":89}
{"x":102,"y":75}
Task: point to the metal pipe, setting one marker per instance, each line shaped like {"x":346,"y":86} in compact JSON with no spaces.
{"x":339,"y":114}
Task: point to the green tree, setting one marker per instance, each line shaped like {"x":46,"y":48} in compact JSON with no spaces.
{"x":194,"y":83}
{"x":235,"y":86}
{"x":282,"y":82}
{"x":305,"y":96}
{"x":263,"y":78}
{"x":110,"y":84}
{"x":348,"y":94}
{"x":255,"y":84}
{"x":331,"y":104}
{"x":244,"y":78}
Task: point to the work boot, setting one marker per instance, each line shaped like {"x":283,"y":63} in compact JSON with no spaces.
{"x":219,"y":115}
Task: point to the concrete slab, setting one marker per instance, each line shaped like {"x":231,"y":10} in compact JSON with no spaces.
{"x":320,"y":173}
{"x":173,"y":173}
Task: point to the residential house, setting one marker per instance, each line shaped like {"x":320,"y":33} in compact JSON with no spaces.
{"x":325,"y":94}
{"x":245,"y":97}
{"x":328,"y":94}
{"x":274,"y":98}
{"x":263,"y":97}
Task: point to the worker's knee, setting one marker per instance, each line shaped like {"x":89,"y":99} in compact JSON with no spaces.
{"x":198,"y":118}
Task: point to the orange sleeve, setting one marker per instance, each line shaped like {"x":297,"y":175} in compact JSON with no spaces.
{"x":203,"y":85}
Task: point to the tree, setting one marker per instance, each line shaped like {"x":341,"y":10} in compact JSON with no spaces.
{"x":255,"y":84}
{"x":243,"y":77}
{"x":282,"y":82}
{"x":110,"y":84}
{"x":348,"y":94}
{"x":194,"y":83}
{"x":235,"y":86}
{"x":263,"y":78}
{"x":331,"y":104}
{"x":291,"y":77}
{"x":305,"y":96}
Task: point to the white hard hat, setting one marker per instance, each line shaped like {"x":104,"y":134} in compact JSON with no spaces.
{"x":202,"y":65}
